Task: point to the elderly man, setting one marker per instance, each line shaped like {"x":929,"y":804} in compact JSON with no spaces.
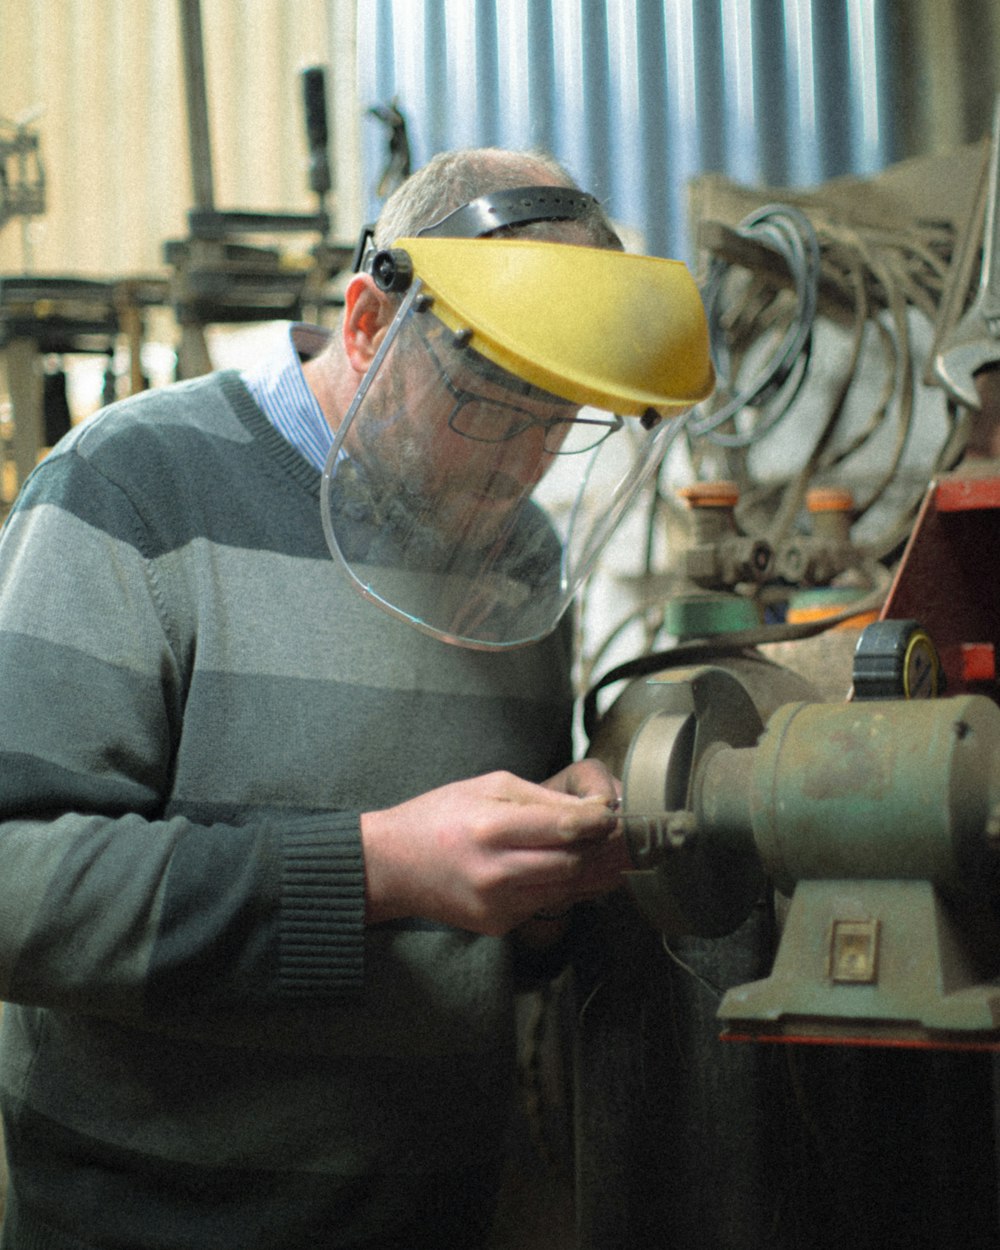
{"x":273,"y":852}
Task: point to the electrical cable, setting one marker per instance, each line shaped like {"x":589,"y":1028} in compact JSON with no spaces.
{"x":736,"y":642}
{"x":787,"y":231}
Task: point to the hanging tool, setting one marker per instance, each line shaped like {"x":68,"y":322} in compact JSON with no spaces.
{"x":975,"y":341}
{"x":397,"y":169}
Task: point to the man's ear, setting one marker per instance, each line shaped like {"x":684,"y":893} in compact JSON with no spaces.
{"x":368,"y":313}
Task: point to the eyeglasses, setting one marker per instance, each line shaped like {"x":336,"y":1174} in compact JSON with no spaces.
{"x":487,"y":420}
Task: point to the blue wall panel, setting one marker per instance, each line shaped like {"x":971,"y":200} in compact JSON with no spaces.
{"x":638,"y":96}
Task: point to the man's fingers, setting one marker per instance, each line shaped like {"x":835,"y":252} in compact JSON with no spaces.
{"x":556,"y":821}
{"x":480,"y":853}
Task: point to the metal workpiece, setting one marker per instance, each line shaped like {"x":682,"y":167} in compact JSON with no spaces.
{"x":733,"y":560}
{"x":653,"y":836}
{"x":816,"y":558}
{"x":813,"y":559}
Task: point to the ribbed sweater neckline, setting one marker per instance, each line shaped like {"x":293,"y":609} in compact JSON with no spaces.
{"x":256,"y":422}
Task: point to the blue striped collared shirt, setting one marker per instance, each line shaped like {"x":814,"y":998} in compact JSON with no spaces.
{"x":281,"y":391}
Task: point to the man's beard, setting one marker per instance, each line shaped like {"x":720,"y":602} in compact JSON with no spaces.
{"x":439,"y":511}
{"x":490,"y":564}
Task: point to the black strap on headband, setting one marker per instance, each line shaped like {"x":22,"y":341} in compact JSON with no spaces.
{"x":516,"y":207}
{"x":519,"y":206}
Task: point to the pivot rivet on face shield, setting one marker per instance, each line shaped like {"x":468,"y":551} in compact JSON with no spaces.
{"x":392,"y":270}
{"x":461,"y":338}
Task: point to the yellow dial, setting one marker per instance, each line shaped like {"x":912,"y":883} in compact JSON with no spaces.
{"x":896,"y":660}
{"x":921,"y":667}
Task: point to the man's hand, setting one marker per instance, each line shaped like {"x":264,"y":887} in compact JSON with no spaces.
{"x":488,"y":853}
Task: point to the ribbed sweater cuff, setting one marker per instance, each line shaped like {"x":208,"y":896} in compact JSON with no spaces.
{"x":322,"y":915}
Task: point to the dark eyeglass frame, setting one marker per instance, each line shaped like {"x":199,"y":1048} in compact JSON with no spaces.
{"x":524,"y":420}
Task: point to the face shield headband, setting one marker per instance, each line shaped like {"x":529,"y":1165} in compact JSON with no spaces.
{"x":481,"y":217}
{"x":467,"y":501}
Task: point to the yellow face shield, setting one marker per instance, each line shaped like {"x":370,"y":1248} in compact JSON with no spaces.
{"x":512,"y":413}
{"x":598,"y":326}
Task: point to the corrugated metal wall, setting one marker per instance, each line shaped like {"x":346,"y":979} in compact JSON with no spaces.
{"x":637,"y":96}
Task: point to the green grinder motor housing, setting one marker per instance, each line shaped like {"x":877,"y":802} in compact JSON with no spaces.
{"x":880,"y":820}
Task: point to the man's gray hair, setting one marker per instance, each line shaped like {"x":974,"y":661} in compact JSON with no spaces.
{"x":452,"y":179}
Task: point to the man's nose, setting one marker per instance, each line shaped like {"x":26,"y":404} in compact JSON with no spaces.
{"x":523,"y":457}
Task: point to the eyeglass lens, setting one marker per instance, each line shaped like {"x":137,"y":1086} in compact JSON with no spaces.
{"x":487,"y":420}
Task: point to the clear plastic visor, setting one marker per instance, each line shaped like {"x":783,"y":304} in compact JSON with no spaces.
{"x":466,"y":501}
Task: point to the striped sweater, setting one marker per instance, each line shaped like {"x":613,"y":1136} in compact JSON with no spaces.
{"x":204,"y":1046}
